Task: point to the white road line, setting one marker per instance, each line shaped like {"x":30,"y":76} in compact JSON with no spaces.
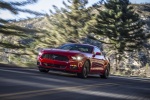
{"x":20,"y":72}
{"x":76,"y":89}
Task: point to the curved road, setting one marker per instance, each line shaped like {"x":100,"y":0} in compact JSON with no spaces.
{"x":29,"y":84}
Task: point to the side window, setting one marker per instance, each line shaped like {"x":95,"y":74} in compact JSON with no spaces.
{"x":66,"y":47}
{"x":96,"y":49}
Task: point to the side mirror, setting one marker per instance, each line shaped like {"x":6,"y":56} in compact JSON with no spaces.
{"x":98,"y":53}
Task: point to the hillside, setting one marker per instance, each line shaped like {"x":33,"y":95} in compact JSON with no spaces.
{"x":50,"y":40}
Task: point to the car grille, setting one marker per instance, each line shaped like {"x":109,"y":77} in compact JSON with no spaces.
{"x":54,"y":65}
{"x":55,"y":57}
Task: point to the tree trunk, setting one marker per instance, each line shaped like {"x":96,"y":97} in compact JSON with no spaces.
{"x":116,"y":64}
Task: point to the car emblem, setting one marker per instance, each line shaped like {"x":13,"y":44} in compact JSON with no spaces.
{"x":54,"y":56}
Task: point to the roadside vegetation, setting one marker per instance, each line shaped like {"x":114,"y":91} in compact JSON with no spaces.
{"x":119,"y":28}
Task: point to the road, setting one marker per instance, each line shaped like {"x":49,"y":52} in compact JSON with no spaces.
{"x":29,"y":84}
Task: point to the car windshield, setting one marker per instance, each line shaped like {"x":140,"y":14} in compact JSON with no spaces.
{"x":78,"y":47}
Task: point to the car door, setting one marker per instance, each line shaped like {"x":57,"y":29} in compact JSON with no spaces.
{"x":98,"y":60}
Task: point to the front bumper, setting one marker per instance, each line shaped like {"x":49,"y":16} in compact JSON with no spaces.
{"x":71,"y":66}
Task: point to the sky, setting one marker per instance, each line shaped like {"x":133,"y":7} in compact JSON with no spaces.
{"x":45,"y":5}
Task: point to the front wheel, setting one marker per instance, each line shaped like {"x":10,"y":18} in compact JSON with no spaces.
{"x":85,"y":70}
{"x":43,"y":70}
{"x":106,"y":73}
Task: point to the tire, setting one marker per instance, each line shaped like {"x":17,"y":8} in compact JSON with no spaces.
{"x":106,"y":73}
{"x":43,"y":70}
{"x":85,"y":70}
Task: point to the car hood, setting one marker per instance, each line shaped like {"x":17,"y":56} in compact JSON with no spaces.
{"x":62,"y":52}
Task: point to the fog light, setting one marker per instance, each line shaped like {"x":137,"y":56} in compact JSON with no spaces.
{"x":45,"y":64}
{"x":74,"y":67}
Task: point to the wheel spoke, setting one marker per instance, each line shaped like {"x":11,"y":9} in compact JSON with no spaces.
{"x":84,"y":72}
{"x":106,"y":74}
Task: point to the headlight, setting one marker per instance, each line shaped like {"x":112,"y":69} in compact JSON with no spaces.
{"x":40,"y":53}
{"x":77,"y":58}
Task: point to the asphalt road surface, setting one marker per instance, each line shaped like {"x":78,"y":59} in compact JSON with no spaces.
{"x":29,"y":84}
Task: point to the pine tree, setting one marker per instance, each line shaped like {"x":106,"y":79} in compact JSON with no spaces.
{"x":7,"y":29}
{"x":70,"y":21}
{"x":118,"y":26}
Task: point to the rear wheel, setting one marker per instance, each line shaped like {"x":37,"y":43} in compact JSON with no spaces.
{"x":43,"y":70}
{"x":106,"y":73}
{"x":85,"y":70}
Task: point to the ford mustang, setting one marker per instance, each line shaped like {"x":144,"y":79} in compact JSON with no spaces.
{"x":82,"y":59}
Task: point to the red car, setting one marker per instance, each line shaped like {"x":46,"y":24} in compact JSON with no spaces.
{"x":82,"y":59}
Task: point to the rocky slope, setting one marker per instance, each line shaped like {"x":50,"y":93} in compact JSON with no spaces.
{"x":49,"y":40}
